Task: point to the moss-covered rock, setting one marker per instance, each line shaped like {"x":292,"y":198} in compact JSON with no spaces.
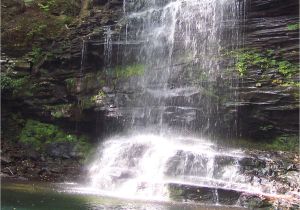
{"x":265,"y":61}
{"x":39,"y":135}
{"x":283,"y":142}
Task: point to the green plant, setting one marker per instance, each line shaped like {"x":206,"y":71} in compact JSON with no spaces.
{"x":175,"y":193}
{"x":129,"y":71}
{"x":28,"y":2}
{"x":37,"y":30}
{"x":39,"y":134}
{"x":71,"y":83}
{"x":98,"y":99}
{"x":291,"y":84}
{"x":35,"y":55}
{"x":251,"y":58}
{"x":9,"y":83}
{"x":46,"y":5}
{"x":248,"y":58}
{"x":283,"y":142}
{"x":86,"y":103}
{"x":286,"y":68}
{"x":292,"y":27}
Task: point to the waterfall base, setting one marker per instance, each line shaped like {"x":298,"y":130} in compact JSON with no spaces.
{"x":182,"y":168}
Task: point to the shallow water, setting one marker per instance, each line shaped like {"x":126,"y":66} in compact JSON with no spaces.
{"x":44,"y":196}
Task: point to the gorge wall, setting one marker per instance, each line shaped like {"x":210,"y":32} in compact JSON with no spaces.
{"x":61,"y":78}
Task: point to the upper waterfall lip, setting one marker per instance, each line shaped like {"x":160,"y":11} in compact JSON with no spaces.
{"x":152,"y":9}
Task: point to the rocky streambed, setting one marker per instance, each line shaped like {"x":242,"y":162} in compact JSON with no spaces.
{"x":275,"y":173}
{"x":59,"y":163}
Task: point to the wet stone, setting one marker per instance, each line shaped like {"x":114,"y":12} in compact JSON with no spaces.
{"x":203,"y":194}
{"x":253,"y":201}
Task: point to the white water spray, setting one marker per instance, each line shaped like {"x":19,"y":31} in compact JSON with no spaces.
{"x":142,"y":164}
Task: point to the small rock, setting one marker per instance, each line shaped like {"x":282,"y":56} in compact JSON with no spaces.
{"x":112,"y":106}
{"x":21,"y":178}
{"x":5,"y":160}
{"x":291,"y":167}
{"x":106,"y":89}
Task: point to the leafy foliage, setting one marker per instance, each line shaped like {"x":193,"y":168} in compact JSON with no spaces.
{"x":129,"y":71}
{"x":284,"y":142}
{"x":47,"y":5}
{"x":66,"y":7}
{"x":99,"y":98}
{"x":292,"y":27}
{"x":37,"y":30}
{"x":28,"y":2}
{"x":251,"y":58}
{"x":35,"y":55}
{"x":8,"y":83}
{"x":39,"y":134}
{"x":286,"y":68}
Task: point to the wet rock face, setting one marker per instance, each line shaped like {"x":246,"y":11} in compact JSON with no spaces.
{"x":99,"y":2}
{"x":59,"y":89}
{"x":62,"y":150}
{"x":264,"y":108}
{"x":262,"y":111}
{"x":12,"y":7}
{"x":215,"y":195}
{"x":23,"y":163}
{"x":275,"y":174}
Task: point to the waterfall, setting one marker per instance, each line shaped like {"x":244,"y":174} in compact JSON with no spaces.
{"x":180,"y":43}
{"x":108,"y":47}
{"x":83,"y":56}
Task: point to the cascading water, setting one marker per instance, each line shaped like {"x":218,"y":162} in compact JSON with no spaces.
{"x":179,"y":46}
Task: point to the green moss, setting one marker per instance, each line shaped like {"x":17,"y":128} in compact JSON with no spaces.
{"x":40,"y":24}
{"x":99,"y":98}
{"x":71,"y":83}
{"x":12,"y":84}
{"x":87,"y":103}
{"x":175,"y":193}
{"x":283,"y":142}
{"x":129,"y":71}
{"x":287,"y":69}
{"x":264,"y":60}
{"x":291,"y":84}
{"x":66,"y":7}
{"x":28,"y":2}
{"x":35,"y":55}
{"x":37,"y":30}
{"x":39,"y":134}
{"x":245,"y":59}
{"x":292,"y":27}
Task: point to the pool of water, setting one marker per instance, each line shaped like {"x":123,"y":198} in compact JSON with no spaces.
{"x":42,"y":196}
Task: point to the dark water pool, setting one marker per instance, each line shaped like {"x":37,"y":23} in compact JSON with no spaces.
{"x":45,"y":196}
